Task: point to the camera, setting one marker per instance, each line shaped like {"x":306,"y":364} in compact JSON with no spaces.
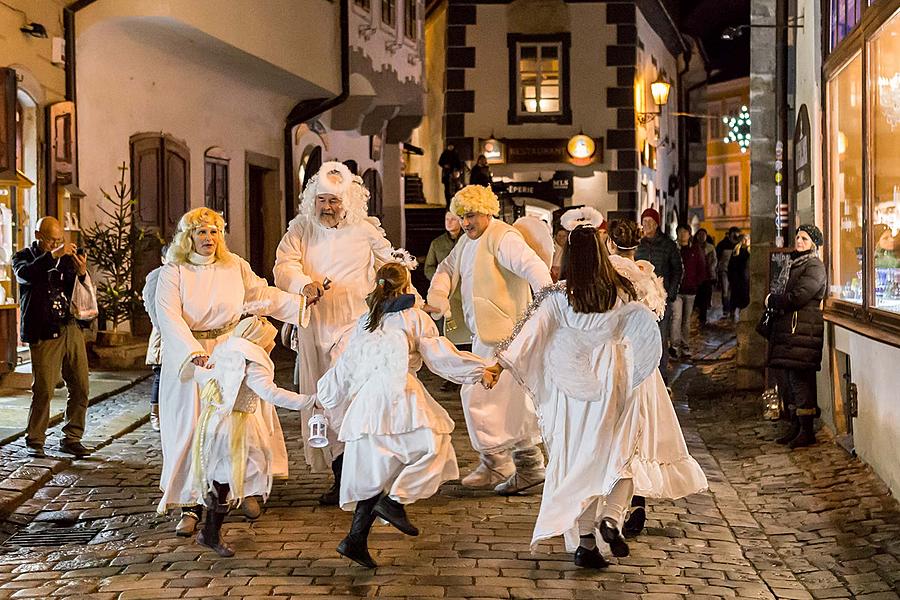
{"x":80,"y":251}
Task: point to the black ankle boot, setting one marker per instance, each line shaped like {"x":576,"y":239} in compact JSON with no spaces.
{"x":609,"y":531}
{"x":333,"y":496}
{"x":807,"y":435}
{"x":394,"y":513}
{"x":355,"y":545}
{"x":589,"y":559}
{"x":792,"y":431}
{"x":637,"y":517}
{"x":211,"y":536}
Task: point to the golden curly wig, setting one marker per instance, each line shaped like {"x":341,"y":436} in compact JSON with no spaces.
{"x":182,"y":245}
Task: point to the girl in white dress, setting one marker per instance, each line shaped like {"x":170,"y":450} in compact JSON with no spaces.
{"x":663,"y":468}
{"x":397,"y":437}
{"x":239,"y":446}
{"x":199,"y":296}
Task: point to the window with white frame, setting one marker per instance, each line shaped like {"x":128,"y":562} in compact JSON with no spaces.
{"x":389,"y":12}
{"x":539,"y":78}
{"x":410,"y":24}
{"x":363,"y":4}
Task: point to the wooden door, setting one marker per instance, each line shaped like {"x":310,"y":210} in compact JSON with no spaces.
{"x":61,"y":159}
{"x":7,"y":120}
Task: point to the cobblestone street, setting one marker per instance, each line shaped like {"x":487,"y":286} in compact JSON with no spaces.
{"x":813,"y":523}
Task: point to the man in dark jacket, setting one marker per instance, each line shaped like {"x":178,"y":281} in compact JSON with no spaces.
{"x":451,"y":169}
{"x":663,"y":254}
{"x":46,"y":273}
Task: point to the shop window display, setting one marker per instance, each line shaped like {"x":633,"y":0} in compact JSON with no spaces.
{"x":884,"y":127}
{"x":845,"y":155}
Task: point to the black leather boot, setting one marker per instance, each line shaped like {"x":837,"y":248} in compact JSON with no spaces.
{"x":394,"y":513}
{"x":609,"y":531}
{"x":211,"y":536}
{"x":637,"y":517}
{"x":792,"y":431}
{"x":333,"y":496}
{"x":355,"y":546}
{"x":807,"y":435}
{"x":589,"y":558}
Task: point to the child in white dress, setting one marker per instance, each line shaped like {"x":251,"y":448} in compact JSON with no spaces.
{"x":397,"y":436}
{"x":238,"y":445}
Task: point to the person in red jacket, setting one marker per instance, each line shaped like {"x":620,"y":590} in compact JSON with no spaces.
{"x":695,"y":273}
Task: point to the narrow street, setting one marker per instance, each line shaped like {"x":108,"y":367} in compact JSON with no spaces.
{"x":814,"y":523}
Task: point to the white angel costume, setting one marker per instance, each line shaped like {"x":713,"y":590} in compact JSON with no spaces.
{"x":239,"y":440}
{"x":496,"y":274}
{"x":349,"y":256}
{"x":198,"y":305}
{"x":662,"y":467}
{"x":397,"y":436}
{"x":581,"y":369}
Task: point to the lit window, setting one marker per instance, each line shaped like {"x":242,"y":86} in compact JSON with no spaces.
{"x":539,"y":78}
{"x":734,"y":189}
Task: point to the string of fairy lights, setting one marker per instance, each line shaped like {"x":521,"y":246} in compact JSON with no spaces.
{"x":738,"y":129}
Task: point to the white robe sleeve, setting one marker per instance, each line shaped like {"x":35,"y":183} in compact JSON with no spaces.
{"x":261,"y":381}
{"x":282,"y":305}
{"x":515,"y":255}
{"x":522,"y":354}
{"x":176,"y":335}
{"x":442,"y":283}
{"x":333,"y":388}
{"x":149,"y":294}
{"x":289,"y":274}
{"x":442,"y":357}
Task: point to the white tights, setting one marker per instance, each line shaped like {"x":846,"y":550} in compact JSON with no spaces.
{"x":615,"y":507}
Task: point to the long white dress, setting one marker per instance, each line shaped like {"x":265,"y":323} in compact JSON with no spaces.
{"x":239,"y":440}
{"x":397,"y":436}
{"x":582,"y":371}
{"x":500,"y":418}
{"x":662,"y":467}
{"x":349,"y":255}
{"x":190,"y":298}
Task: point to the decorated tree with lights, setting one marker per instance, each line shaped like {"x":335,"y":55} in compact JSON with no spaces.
{"x":738,"y":129}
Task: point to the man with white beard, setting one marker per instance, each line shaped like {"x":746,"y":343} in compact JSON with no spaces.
{"x":330,"y":254}
{"x":494,"y":268}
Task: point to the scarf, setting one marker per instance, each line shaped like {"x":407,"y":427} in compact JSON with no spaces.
{"x":797,"y":259}
{"x":200,"y":260}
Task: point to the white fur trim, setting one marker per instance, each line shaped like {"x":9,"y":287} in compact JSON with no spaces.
{"x":581,"y":216}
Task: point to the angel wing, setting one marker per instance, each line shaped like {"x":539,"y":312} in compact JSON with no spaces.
{"x":379,"y":362}
{"x":650,"y":289}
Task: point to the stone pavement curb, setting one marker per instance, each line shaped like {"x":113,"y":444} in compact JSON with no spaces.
{"x":33,"y":473}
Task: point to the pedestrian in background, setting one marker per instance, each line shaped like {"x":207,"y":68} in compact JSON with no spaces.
{"x":704,"y":292}
{"x":661,"y":252}
{"x":47,"y":273}
{"x":695,"y":273}
{"x":739,"y":276}
{"x":724,"y":249}
{"x":481,"y":172}
{"x":451,"y":169}
{"x":154,"y":347}
{"x":797,"y":334}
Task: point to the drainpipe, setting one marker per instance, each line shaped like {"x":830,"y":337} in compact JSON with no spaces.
{"x":307,"y":109}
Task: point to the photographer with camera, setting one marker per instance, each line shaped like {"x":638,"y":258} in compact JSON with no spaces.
{"x":47,"y":273}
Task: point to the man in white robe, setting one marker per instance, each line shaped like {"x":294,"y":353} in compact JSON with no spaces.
{"x":496,"y":271}
{"x":332,"y":239}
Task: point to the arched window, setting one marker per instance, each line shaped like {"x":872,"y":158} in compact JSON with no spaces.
{"x":215,"y":180}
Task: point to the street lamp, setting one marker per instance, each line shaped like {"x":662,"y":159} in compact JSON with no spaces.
{"x":732,"y":33}
{"x":659,"y":89}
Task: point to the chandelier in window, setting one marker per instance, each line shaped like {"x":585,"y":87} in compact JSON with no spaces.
{"x":889,"y":99}
{"x":738,"y":129}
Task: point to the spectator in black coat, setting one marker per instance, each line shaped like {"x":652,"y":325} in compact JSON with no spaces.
{"x":739,"y":275}
{"x":451,"y":169}
{"x":797,"y":335}
{"x":481,"y":172}
{"x":663,"y":254}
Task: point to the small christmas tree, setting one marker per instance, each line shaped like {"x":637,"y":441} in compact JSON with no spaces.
{"x":110,"y":244}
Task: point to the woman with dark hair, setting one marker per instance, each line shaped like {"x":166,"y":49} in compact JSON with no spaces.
{"x":397,"y":437}
{"x":593,"y":425}
{"x":739,"y":274}
{"x":798,"y":332}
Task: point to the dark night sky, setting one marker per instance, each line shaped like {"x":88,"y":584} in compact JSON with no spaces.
{"x":705,"y":20}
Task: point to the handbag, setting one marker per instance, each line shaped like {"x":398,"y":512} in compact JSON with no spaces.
{"x":772,"y":404}
{"x":766,"y":323}
{"x":84,"y":300}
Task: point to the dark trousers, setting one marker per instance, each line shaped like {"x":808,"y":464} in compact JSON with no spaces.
{"x":704,"y":300}
{"x":664,"y":327}
{"x":798,"y":390}
{"x":154,"y":389}
{"x":65,"y":354}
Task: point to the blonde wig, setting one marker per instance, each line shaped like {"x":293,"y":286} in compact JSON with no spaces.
{"x":182,"y":245}
{"x":476,"y":199}
{"x":335,"y":178}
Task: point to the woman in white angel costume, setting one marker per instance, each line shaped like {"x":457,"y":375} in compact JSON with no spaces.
{"x":397,"y":437}
{"x":590,"y":413}
{"x":329,"y":254}
{"x":199,"y":296}
{"x":238,"y":446}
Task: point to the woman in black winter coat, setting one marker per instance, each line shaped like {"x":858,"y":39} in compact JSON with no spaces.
{"x":739,"y":274}
{"x":797,"y":334}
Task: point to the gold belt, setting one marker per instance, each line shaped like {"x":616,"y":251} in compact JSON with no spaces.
{"x":211,"y":334}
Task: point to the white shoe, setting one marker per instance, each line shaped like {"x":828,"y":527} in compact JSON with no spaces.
{"x":529,"y":463}
{"x":492,"y":470}
{"x":251,"y":508}
{"x":154,"y":417}
{"x":186,"y":525}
